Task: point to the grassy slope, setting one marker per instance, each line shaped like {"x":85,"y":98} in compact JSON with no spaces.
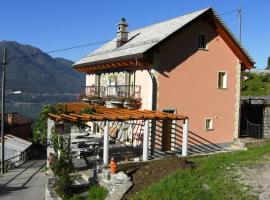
{"x":256,"y":85}
{"x":212,"y":179}
{"x":94,"y":193}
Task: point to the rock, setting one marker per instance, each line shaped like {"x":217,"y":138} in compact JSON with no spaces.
{"x":205,"y":187}
{"x":121,"y":176}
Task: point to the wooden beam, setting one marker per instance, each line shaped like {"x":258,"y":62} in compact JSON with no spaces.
{"x":56,"y":117}
{"x":72,"y":118}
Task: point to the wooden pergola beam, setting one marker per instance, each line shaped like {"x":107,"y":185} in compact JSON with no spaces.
{"x":111,"y":114}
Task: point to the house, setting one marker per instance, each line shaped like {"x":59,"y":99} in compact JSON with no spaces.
{"x":18,"y":125}
{"x":190,"y":64}
{"x":16,"y":151}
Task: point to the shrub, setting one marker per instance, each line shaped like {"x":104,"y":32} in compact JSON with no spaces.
{"x":63,"y":185}
{"x":96,"y":192}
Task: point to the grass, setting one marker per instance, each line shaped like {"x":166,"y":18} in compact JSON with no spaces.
{"x":256,"y":85}
{"x":95,"y":192}
{"x":211,"y":179}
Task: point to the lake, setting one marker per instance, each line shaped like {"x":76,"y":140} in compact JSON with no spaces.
{"x":30,"y":110}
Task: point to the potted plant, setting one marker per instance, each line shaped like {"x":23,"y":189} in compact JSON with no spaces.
{"x":96,"y":100}
{"x":132,"y":103}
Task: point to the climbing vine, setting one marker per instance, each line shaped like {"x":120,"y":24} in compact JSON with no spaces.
{"x":61,"y":165}
{"x":40,"y":125}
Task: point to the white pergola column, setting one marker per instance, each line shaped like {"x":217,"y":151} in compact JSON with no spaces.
{"x":145,"y":140}
{"x":50,"y":125}
{"x":185,"y":138}
{"x":106,"y":143}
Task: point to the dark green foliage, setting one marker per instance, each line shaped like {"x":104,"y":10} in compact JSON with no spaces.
{"x":63,"y":186}
{"x":40,"y":125}
{"x":39,"y":73}
{"x":268,"y":63}
{"x":88,"y":111}
{"x":95,"y":192}
{"x":62,"y":166}
{"x":256,"y":85}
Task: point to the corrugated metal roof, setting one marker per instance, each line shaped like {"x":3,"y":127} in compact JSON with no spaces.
{"x":14,"y":146}
{"x":141,"y":40}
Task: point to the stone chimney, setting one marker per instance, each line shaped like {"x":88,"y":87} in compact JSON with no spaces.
{"x":10,"y":118}
{"x":122,"y":33}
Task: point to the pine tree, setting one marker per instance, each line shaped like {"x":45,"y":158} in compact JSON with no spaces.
{"x":268,"y":63}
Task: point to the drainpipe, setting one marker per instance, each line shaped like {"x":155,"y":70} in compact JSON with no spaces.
{"x":154,"y":107}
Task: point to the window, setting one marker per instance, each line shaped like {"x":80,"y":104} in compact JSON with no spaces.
{"x":172,"y":111}
{"x":208,"y":124}
{"x":202,"y":41}
{"x":222,"y":80}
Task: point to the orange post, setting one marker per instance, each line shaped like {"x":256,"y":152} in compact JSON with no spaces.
{"x":113,"y":166}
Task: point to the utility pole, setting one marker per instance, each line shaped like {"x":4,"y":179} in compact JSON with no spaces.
{"x":240,"y":23}
{"x":4,"y":63}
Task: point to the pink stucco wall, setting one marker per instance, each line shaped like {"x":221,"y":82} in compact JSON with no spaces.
{"x":188,"y":81}
{"x":90,"y":80}
{"x":144,"y":80}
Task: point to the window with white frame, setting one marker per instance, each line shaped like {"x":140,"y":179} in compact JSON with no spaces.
{"x":202,"y":44}
{"x":222,"y":80}
{"x":208,"y":124}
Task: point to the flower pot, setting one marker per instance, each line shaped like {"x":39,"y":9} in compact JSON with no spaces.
{"x":132,"y":105}
{"x":114,"y":104}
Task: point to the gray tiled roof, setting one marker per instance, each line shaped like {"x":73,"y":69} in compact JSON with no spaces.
{"x":145,"y":38}
{"x":142,"y":39}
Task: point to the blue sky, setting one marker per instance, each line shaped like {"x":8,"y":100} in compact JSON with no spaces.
{"x":56,"y":24}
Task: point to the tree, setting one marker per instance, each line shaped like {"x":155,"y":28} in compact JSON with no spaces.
{"x":268,"y":63}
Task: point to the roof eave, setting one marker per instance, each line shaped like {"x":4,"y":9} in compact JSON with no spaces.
{"x":249,"y":62}
{"x":105,"y":61}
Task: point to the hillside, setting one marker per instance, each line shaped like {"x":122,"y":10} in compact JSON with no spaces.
{"x":40,"y":73}
{"x":256,"y":84}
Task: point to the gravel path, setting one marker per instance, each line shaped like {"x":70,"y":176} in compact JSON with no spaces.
{"x":257,"y":177}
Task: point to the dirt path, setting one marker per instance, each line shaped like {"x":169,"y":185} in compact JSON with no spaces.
{"x":257,"y":177}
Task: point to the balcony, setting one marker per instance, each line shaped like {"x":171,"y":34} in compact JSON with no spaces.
{"x":128,"y":96}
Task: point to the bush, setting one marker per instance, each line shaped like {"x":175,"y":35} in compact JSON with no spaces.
{"x":63,"y":185}
{"x":96,"y":192}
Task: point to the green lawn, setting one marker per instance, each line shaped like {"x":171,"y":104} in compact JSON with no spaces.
{"x":211,"y":179}
{"x":94,"y":193}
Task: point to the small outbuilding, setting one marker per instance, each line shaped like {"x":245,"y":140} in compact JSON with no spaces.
{"x":255,"y":117}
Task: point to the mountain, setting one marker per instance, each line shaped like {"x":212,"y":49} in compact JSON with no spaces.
{"x":65,"y":62}
{"x":39,"y":73}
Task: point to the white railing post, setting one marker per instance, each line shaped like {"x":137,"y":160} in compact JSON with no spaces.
{"x":173,"y":135}
{"x":145,"y":140}
{"x":185,"y":138}
{"x":106,"y":143}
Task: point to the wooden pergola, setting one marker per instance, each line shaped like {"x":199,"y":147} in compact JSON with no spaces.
{"x":110,"y":114}
{"x":73,"y":114}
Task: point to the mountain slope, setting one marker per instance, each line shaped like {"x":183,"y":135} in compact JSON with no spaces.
{"x":39,"y":73}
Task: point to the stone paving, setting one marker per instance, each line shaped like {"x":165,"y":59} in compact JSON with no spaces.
{"x":25,"y":182}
